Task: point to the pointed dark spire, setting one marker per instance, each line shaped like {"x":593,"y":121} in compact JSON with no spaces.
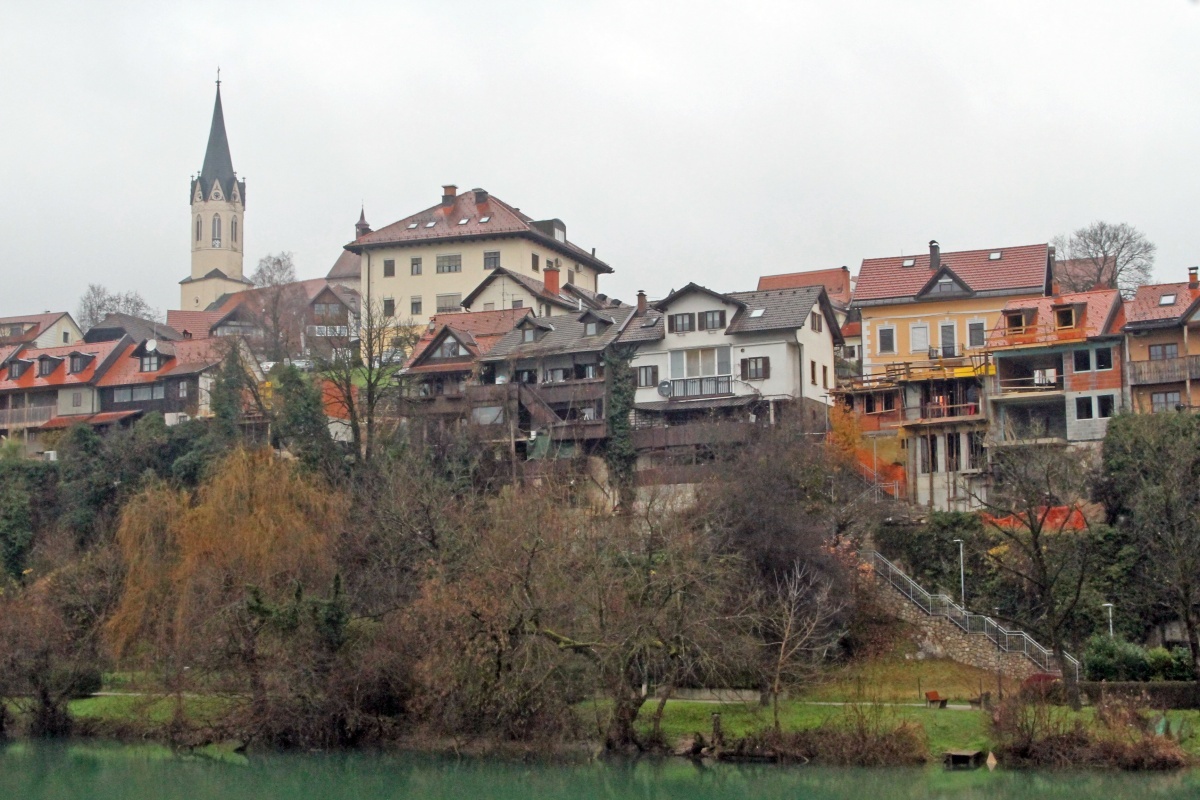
{"x":218,"y":165}
{"x":361,"y":228}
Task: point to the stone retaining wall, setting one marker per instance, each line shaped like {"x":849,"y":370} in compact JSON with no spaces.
{"x":938,"y":637}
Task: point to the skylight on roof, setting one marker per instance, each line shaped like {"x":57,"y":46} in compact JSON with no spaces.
{"x":413,"y":225}
{"x":431,"y":223}
{"x":464,"y":220}
{"x":485,"y":219}
{"x":909,"y":262}
{"x":995,"y":256}
{"x":1167,"y":300}
{"x":650,"y":323}
{"x":756,"y":313}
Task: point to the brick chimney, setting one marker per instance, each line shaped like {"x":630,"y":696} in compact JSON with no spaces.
{"x":935,"y":255}
{"x":481,"y":196}
{"x":1193,"y":280}
{"x":550,"y":276}
{"x":449,"y":192}
{"x":641,"y":301}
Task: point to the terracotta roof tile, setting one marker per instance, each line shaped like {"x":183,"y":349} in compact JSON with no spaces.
{"x":1099,"y":315}
{"x":61,"y":376}
{"x":836,"y":282}
{"x":348,"y":265}
{"x":1146,"y":309}
{"x":481,"y":329}
{"x":103,"y":418}
{"x":1019,"y":269}
{"x":197,"y":323}
{"x":447,"y":223}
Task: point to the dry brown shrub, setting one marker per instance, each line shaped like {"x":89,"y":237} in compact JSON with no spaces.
{"x":865,"y":735}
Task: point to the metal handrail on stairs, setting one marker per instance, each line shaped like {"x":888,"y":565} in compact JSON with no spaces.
{"x":939,"y":605}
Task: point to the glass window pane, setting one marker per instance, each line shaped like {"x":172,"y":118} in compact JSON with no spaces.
{"x":693,"y":363}
{"x":677,"y":365}
{"x":723,"y":360}
{"x":708,"y":361}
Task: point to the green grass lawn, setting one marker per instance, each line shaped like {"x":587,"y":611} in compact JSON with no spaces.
{"x":896,"y":679}
{"x":150,"y":710}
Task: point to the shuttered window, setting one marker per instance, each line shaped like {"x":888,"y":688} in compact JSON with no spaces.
{"x":756,"y":369}
{"x":681,"y":323}
{"x":711,"y":320}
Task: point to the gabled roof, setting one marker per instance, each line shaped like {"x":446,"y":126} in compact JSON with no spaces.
{"x":102,"y":355}
{"x":1146,"y":310}
{"x":475,"y":329}
{"x":37,"y":324}
{"x":1080,"y":274}
{"x":783,"y":309}
{"x":532,"y":285}
{"x":945,"y":273}
{"x":566,"y":335}
{"x":215,"y":273}
{"x":116,"y":325}
{"x":836,"y":281}
{"x":198,"y":324}
{"x":474,"y":206}
{"x":348,"y":265}
{"x":1099,"y":312}
{"x":691,"y":287}
{"x":1018,"y":270}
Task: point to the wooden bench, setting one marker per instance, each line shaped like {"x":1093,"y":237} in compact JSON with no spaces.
{"x":935,"y":700}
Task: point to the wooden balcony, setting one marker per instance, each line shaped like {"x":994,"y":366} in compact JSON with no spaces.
{"x":692,"y":434}
{"x":580,"y":392}
{"x":27,"y":417}
{"x":1164,"y":370}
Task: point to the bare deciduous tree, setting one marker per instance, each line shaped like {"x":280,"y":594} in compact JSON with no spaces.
{"x":361,"y":369}
{"x":801,"y":622}
{"x":1104,"y":255}
{"x":98,"y":302}
{"x":278,"y":305}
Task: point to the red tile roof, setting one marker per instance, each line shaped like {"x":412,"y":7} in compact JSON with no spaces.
{"x":852,"y":329}
{"x":197,"y":323}
{"x":478,"y":330}
{"x":1146,"y":310}
{"x":348,"y":265}
{"x":61,"y":376}
{"x":1100,"y":309}
{"x":836,"y":282}
{"x":39,"y":323}
{"x":1079,"y":274}
{"x":502,"y":219}
{"x":103,"y":418}
{"x":1019,"y":269}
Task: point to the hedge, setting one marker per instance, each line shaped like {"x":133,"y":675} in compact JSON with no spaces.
{"x":1159,"y":694}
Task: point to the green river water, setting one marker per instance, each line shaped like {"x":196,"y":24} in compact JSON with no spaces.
{"x":91,"y":771}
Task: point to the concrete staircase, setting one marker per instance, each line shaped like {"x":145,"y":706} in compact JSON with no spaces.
{"x":970,"y":638}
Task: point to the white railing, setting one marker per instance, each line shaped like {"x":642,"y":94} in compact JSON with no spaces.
{"x":30,"y":415}
{"x":939,"y":605}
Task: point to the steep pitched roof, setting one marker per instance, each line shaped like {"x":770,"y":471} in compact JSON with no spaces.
{"x":218,"y":164}
{"x":564,"y":335}
{"x":115,"y":325}
{"x":691,"y":287}
{"x":1017,"y":270}
{"x":33,"y":324}
{"x":836,"y":281}
{"x":644,"y":326}
{"x":463,"y":218}
{"x":198,"y":324}
{"x":479,"y":330}
{"x":531,"y":285}
{"x":782,"y":309}
{"x":348,"y":265}
{"x":1147,"y":310}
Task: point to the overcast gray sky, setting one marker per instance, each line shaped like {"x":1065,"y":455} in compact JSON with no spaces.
{"x":683,"y":140}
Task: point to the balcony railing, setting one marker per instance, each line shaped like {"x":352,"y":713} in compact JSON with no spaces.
{"x":1164,"y":370}
{"x":936,"y":411}
{"x":701,"y":387}
{"x":1044,"y":382}
{"x":1042,"y":333}
{"x":23,"y":417}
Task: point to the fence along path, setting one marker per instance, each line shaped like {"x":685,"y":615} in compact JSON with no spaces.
{"x":939,"y":605}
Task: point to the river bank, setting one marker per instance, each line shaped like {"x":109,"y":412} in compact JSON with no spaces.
{"x":107,"y":771}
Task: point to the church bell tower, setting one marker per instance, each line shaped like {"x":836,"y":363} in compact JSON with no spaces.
{"x":218,"y":218}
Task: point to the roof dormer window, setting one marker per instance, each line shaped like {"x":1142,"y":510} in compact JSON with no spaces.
{"x":150,"y":362}
{"x":1014,"y":322}
{"x":16,"y":369}
{"x":79,"y":362}
{"x":1064,"y":318}
{"x":529,"y":335}
{"x":46,"y":366}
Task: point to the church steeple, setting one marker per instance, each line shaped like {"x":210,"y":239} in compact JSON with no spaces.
{"x":217,"y":221}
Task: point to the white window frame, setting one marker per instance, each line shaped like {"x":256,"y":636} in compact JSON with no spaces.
{"x":984,"y":326}
{"x":879,"y":329}
{"x":912,"y":344}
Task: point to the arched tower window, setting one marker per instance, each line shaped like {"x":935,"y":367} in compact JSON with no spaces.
{"x":199,"y":227}
{"x":233,"y":229}
{"x":216,"y":230}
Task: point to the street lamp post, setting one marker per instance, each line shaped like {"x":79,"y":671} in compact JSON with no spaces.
{"x":1109,"y":606}
{"x":962,"y":575}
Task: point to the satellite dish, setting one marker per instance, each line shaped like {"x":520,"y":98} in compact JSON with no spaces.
{"x":151,"y":345}
{"x":664,"y":388}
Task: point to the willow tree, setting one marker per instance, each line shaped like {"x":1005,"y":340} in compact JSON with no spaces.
{"x":205,"y":574}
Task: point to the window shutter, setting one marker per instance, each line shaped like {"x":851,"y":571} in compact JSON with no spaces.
{"x":702,"y":322}
{"x":745,"y":368}
{"x":722,"y":322}
{"x":654,"y":375}
{"x":692,"y":318}
{"x":766,"y":367}
{"x":671,"y":324}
